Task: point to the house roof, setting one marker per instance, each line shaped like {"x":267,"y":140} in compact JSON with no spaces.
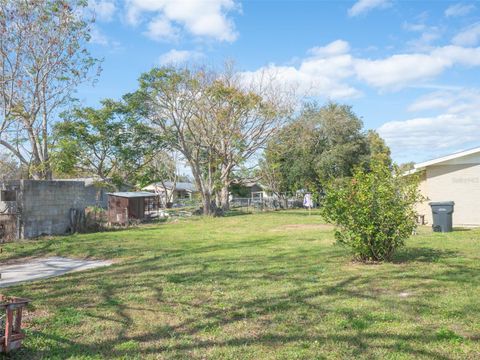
{"x":182,"y":186}
{"x":133,"y":194}
{"x":89,"y":181}
{"x":248,"y":183}
{"x":446,"y":158}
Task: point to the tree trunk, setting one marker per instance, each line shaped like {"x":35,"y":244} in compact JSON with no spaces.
{"x":225,"y":196}
{"x":207,"y":204}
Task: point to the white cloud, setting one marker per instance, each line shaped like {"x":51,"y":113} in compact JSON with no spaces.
{"x":97,"y":37}
{"x":430,"y":134}
{"x":431,"y":101}
{"x":469,"y":36}
{"x":323,"y":73}
{"x":467,"y":56}
{"x":456,"y":125}
{"x":331,"y":71}
{"x":417,"y":27}
{"x":428,"y":34}
{"x":364,"y":6}
{"x":104,"y":10}
{"x":400,"y":70}
{"x":452,"y":101}
{"x":175,"y":57}
{"x":459,"y":10}
{"x":336,"y":47}
{"x":206,"y":19}
{"x":162,"y":29}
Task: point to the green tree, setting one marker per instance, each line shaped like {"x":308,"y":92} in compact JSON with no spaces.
{"x":379,"y":151}
{"x":320,"y":144}
{"x":288,"y":162}
{"x":111,"y":142}
{"x":341,"y":142}
{"x":373,"y":210}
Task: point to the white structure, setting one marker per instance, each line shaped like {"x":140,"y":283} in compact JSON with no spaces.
{"x":455,"y":177}
{"x":170,"y":192}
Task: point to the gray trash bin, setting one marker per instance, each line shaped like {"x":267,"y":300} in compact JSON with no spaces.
{"x":442,"y":215}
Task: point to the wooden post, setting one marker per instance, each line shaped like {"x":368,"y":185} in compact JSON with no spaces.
{"x":18,"y":321}
{"x":8,"y":329}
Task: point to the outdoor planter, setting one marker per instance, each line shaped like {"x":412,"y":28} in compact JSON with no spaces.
{"x":11,"y":334}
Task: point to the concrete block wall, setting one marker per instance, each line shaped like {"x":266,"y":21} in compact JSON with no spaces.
{"x":45,"y":206}
{"x":96,"y":196}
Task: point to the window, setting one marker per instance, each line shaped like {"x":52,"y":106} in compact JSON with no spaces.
{"x":8,"y":195}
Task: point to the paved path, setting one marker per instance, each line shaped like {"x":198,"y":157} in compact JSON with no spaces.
{"x":36,"y":269}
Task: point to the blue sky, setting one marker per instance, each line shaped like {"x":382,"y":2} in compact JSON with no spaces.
{"x":410,"y":69}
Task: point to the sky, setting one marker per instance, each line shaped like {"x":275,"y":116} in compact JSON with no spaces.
{"x":409,"y":69}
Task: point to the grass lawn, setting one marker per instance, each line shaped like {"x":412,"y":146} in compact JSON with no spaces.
{"x":263,"y":286}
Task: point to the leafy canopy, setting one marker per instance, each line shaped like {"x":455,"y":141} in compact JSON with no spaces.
{"x":320,"y":144}
{"x":112,"y":142}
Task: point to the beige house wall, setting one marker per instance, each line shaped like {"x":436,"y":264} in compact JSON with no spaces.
{"x":455,"y":182}
{"x":423,"y":208}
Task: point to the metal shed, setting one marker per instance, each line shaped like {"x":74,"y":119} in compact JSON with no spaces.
{"x":126,"y":206}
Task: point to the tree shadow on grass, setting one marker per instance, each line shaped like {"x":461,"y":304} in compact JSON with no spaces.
{"x":422,"y":254}
{"x":193,"y":273}
{"x":298,"y":212}
{"x":361,"y":338}
{"x":234,"y":212}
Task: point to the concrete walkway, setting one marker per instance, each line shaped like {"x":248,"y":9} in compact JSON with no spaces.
{"x":36,"y":269}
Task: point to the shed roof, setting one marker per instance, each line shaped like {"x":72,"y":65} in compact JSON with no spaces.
{"x":133,"y":194}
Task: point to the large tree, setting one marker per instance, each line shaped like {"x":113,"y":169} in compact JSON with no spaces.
{"x":288,"y":163}
{"x":43,"y":58}
{"x":213,"y":119}
{"x":175,"y":99}
{"x":244,"y":117}
{"x":110,"y":143}
{"x":319,"y":144}
{"x":379,"y":150}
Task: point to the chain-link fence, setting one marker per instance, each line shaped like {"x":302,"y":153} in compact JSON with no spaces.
{"x":264,"y":204}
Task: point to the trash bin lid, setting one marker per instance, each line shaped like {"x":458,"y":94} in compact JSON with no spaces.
{"x":441,"y":203}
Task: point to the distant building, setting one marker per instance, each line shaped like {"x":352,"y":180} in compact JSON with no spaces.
{"x":454,"y":177}
{"x":249,"y":190}
{"x":172,"y":192}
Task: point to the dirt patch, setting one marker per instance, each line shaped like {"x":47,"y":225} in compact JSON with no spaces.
{"x":30,"y":316}
{"x":324,"y":227}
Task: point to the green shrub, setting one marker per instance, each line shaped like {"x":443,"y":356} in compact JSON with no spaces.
{"x":373,"y":211}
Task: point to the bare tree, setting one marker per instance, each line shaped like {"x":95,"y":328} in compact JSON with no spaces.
{"x":176,"y":103}
{"x":9,"y":168}
{"x":216,"y":120}
{"x":244,"y":116}
{"x":42,"y":60}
